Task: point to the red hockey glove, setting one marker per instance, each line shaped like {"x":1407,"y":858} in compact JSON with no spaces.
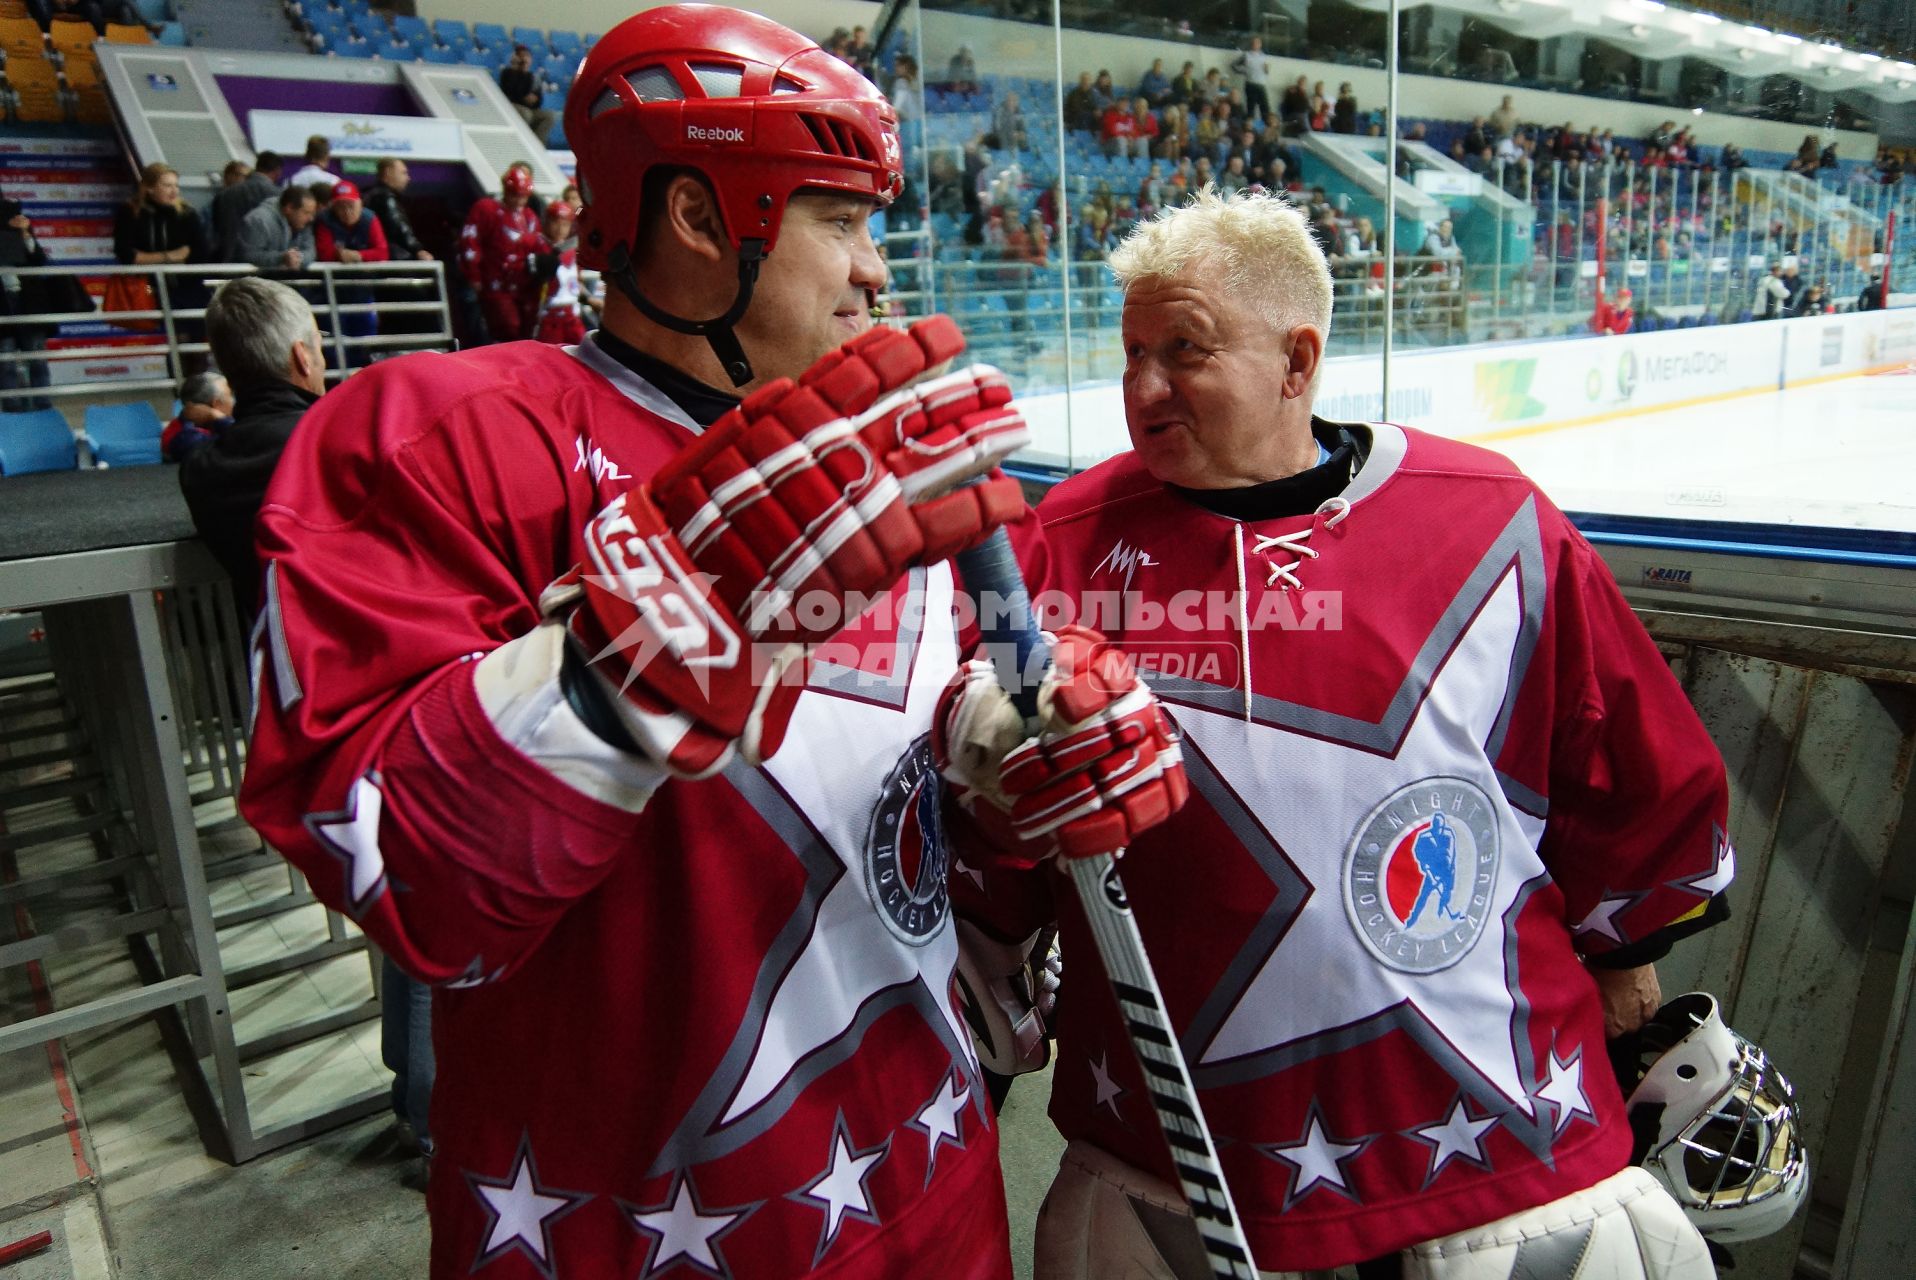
{"x":832,"y":487}
{"x":1104,"y":765}
{"x":842,"y":482}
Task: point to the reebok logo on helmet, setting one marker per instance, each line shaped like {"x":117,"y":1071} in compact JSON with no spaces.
{"x":712,"y":133}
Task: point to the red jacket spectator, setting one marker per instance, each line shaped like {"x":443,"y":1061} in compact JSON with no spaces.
{"x":1616,"y":318}
{"x":1119,"y":123}
{"x":344,"y":225}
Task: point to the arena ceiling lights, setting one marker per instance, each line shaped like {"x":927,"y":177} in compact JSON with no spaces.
{"x":1654,"y":30}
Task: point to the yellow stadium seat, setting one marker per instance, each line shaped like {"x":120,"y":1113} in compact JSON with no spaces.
{"x":122,"y":33}
{"x":39,"y":104}
{"x":14,"y":9}
{"x":32,"y":72}
{"x":21,"y":37}
{"x":72,"y":33}
{"x":82,"y":71}
{"x":93,"y":107}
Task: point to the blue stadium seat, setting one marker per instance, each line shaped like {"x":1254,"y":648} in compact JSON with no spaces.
{"x":155,"y":10}
{"x":173,"y":33}
{"x":36,"y":441}
{"x":451,"y":31}
{"x":591,"y":40}
{"x":397,"y":50}
{"x":372,"y":26}
{"x":489,"y":33}
{"x":439,"y":53}
{"x":531,"y":37}
{"x":476,"y":57}
{"x":409,"y":26}
{"x":123,"y":435}
{"x":567,"y":42}
{"x":353,"y":49}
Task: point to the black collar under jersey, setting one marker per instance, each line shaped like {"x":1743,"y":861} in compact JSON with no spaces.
{"x":702,"y":404}
{"x":1295,"y":495}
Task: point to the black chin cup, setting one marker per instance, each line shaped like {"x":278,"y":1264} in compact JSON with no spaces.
{"x":717,"y":331}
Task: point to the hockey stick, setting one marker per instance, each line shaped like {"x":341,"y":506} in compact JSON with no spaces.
{"x":990,"y":574}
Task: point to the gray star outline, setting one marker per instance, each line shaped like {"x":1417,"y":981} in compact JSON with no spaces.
{"x":654,"y":1240}
{"x":827,"y":1233}
{"x":316,"y":824}
{"x":521,"y":1159}
{"x":1520,"y":544}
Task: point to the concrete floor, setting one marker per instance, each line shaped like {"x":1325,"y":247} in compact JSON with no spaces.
{"x":99,"y":1145}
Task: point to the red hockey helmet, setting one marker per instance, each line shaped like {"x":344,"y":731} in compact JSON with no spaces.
{"x":759,"y":111}
{"x":756,"y":108}
{"x":516,"y":182}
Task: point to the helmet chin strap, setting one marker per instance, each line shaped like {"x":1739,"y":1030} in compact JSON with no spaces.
{"x":717,"y":331}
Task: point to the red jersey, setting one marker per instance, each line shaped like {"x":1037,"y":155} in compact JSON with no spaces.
{"x":1457,"y":761}
{"x":496,"y":247}
{"x":676,"y":1022}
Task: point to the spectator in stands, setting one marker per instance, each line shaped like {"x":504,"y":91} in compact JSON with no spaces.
{"x":344,"y":233}
{"x":1154,"y":86}
{"x":947,"y":186}
{"x":1828,"y":159}
{"x":156,"y":226}
{"x":1234,"y":179}
{"x":19,"y":296}
{"x":1207,"y":135}
{"x":206,"y":409}
{"x":1442,"y":242}
{"x":1344,"y":113}
{"x":1275,"y":160}
{"x":1294,"y":109}
{"x":907,"y":97}
{"x":1503,"y":121}
{"x":279,"y":236}
{"x":1480,"y":162}
{"x":1871,"y":298}
{"x":266,"y":342}
{"x":1213,"y":88}
{"x":1187,"y":86}
{"x":1255,"y":66}
{"x":961,"y":74}
{"x":495,"y":257}
{"x":525,"y":90}
{"x":1792,"y":284}
{"x":232,"y":204}
{"x":1245,"y":149}
{"x":1772,"y":294}
{"x":1118,"y":130}
{"x":1080,"y":106}
{"x":384,"y":203}
{"x":859,"y":51}
{"x":1889,"y":166}
{"x":317,"y":165}
{"x":1812,"y":301}
{"x":1320,"y":109}
{"x":1174,"y":134}
{"x":234,"y":173}
{"x":562,"y":311}
{"x":1008,"y":121}
{"x":1614,"y":317}
{"x":1360,"y":239}
{"x":1203,"y":173}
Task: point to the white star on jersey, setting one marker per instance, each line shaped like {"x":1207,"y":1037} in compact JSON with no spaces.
{"x":1108,"y":1091}
{"x":851,"y":952}
{"x":521,"y":1212}
{"x":1458,"y":1135}
{"x":1602,"y":917}
{"x":939,"y":1119}
{"x":1468,"y":1006}
{"x":1564,"y":1089}
{"x":682,"y":1230}
{"x":1316,"y":1160}
{"x":1718,"y":877}
{"x":841,"y":1188}
{"x":352,"y":835}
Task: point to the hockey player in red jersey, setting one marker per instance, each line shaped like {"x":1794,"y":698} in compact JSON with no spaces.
{"x":1448,"y":806}
{"x":495,"y":256}
{"x":561,"y":319}
{"x":537,"y":622}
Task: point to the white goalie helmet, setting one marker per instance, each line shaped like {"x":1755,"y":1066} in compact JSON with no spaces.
{"x":1716,"y":1123}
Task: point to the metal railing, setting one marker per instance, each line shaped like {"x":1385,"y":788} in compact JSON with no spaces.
{"x":349,"y":301}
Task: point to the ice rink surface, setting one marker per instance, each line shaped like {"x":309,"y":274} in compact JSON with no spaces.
{"x":1838,"y":454}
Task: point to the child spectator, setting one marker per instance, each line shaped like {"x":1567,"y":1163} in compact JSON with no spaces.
{"x":206,"y":408}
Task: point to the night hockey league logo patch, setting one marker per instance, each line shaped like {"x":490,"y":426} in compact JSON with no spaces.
{"x":906,"y":861}
{"x":1419,"y":874}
